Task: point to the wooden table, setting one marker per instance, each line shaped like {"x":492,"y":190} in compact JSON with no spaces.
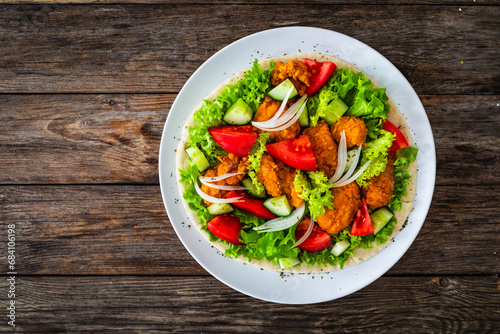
{"x":84,"y":93}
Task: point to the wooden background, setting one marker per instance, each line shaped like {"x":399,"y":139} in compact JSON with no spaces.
{"x":84,"y":93}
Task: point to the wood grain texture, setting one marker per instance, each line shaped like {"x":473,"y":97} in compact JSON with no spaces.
{"x":130,"y":49}
{"x":115,"y":138}
{"x":123,"y":230}
{"x":253,"y":2}
{"x":81,"y":138}
{"x":202,"y":304}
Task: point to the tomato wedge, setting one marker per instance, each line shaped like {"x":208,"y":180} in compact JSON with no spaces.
{"x":362,"y":224}
{"x":295,"y":152}
{"x":317,"y":240}
{"x":237,"y":140}
{"x":320,"y":73}
{"x":400,"y":141}
{"x":227,"y":227}
{"x":252,"y":205}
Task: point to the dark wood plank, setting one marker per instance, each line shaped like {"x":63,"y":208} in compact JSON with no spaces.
{"x":129,"y":49}
{"x":81,"y":138}
{"x":252,"y":2}
{"x":86,"y":230}
{"x":54,"y":139}
{"x":203,"y":304}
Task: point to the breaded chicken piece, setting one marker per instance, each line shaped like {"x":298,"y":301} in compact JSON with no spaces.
{"x":267,"y":175}
{"x":278,"y":178}
{"x":286,"y":176}
{"x":381,"y":188}
{"x":266,"y":111}
{"x":228,"y":164}
{"x":324,"y":148}
{"x":355,"y":131}
{"x":294,"y":70}
{"x":346,"y":202}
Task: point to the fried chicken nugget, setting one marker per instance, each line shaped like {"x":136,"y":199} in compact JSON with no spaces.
{"x":346,"y":202}
{"x":286,"y":176}
{"x":267,"y":175}
{"x":355,"y":131}
{"x":294,"y":70}
{"x":228,"y":164}
{"x":266,"y":111}
{"x":381,"y":188}
{"x":278,"y":178}
{"x":324,"y":147}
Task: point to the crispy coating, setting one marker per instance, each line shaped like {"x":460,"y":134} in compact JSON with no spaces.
{"x":286,"y":176}
{"x":355,"y":131}
{"x":324,"y":147}
{"x":268,"y":109}
{"x":267,"y":175}
{"x":228,"y":164}
{"x":346,"y":202}
{"x":278,"y":178}
{"x":294,"y":70}
{"x":381,"y":188}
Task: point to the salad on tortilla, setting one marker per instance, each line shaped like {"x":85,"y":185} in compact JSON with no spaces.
{"x":300,"y":164}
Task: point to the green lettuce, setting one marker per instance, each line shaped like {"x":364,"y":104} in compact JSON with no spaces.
{"x":252,"y":89}
{"x":402,"y":176}
{"x":255,"y":158}
{"x":315,"y":189}
{"x":376,"y":151}
{"x":189,"y":176}
{"x":318,"y":105}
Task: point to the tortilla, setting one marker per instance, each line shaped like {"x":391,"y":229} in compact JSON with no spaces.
{"x":359,"y":254}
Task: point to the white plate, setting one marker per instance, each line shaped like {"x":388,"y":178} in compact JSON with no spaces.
{"x":265,"y":284}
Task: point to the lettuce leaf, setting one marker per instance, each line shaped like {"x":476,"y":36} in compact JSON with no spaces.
{"x":402,"y":176}
{"x":270,"y":245}
{"x":376,"y":151}
{"x":252,"y":88}
{"x":315,"y":189}
{"x":318,"y":105}
{"x":189,"y":176}
{"x":255,"y":158}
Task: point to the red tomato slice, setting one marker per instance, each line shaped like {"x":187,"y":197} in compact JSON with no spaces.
{"x":362,"y":224}
{"x":317,"y":240}
{"x":400,"y":141}
{"x":252,"y":205}
{"x":320,"y":73}
{"x":237,"y":140}
{"x":295,"y":152}
{"x":227,"y":227}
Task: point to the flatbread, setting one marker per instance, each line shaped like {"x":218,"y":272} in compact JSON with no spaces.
{"x":359,"y":254}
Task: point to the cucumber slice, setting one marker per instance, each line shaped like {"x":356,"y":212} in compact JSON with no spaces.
{"x":380,"y":218}
{"x":304,"y":117}
{"x":287,"y":262}
{"x":199,"y":159}
{"x":240,"y":113}
{"x":279,"y":92}
{"x":251,"y":190}
{"x":340,"y":247}
{"x":350,"y":157}
{"x":335,"y":109}
{"x":220,"y":208}
{"x":278,"y":205}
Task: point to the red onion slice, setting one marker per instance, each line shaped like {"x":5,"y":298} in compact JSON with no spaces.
{"x":342,"y":159}
{"x":216,"y":186}
{"x":212,"y":199}
{"x":220,"y":177}
{"x":307,"y":234}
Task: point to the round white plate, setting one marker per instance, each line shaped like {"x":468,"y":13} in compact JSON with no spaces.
{"x":270,"y":285}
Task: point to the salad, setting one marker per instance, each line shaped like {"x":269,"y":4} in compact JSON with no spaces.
{"x":301,"y":163}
